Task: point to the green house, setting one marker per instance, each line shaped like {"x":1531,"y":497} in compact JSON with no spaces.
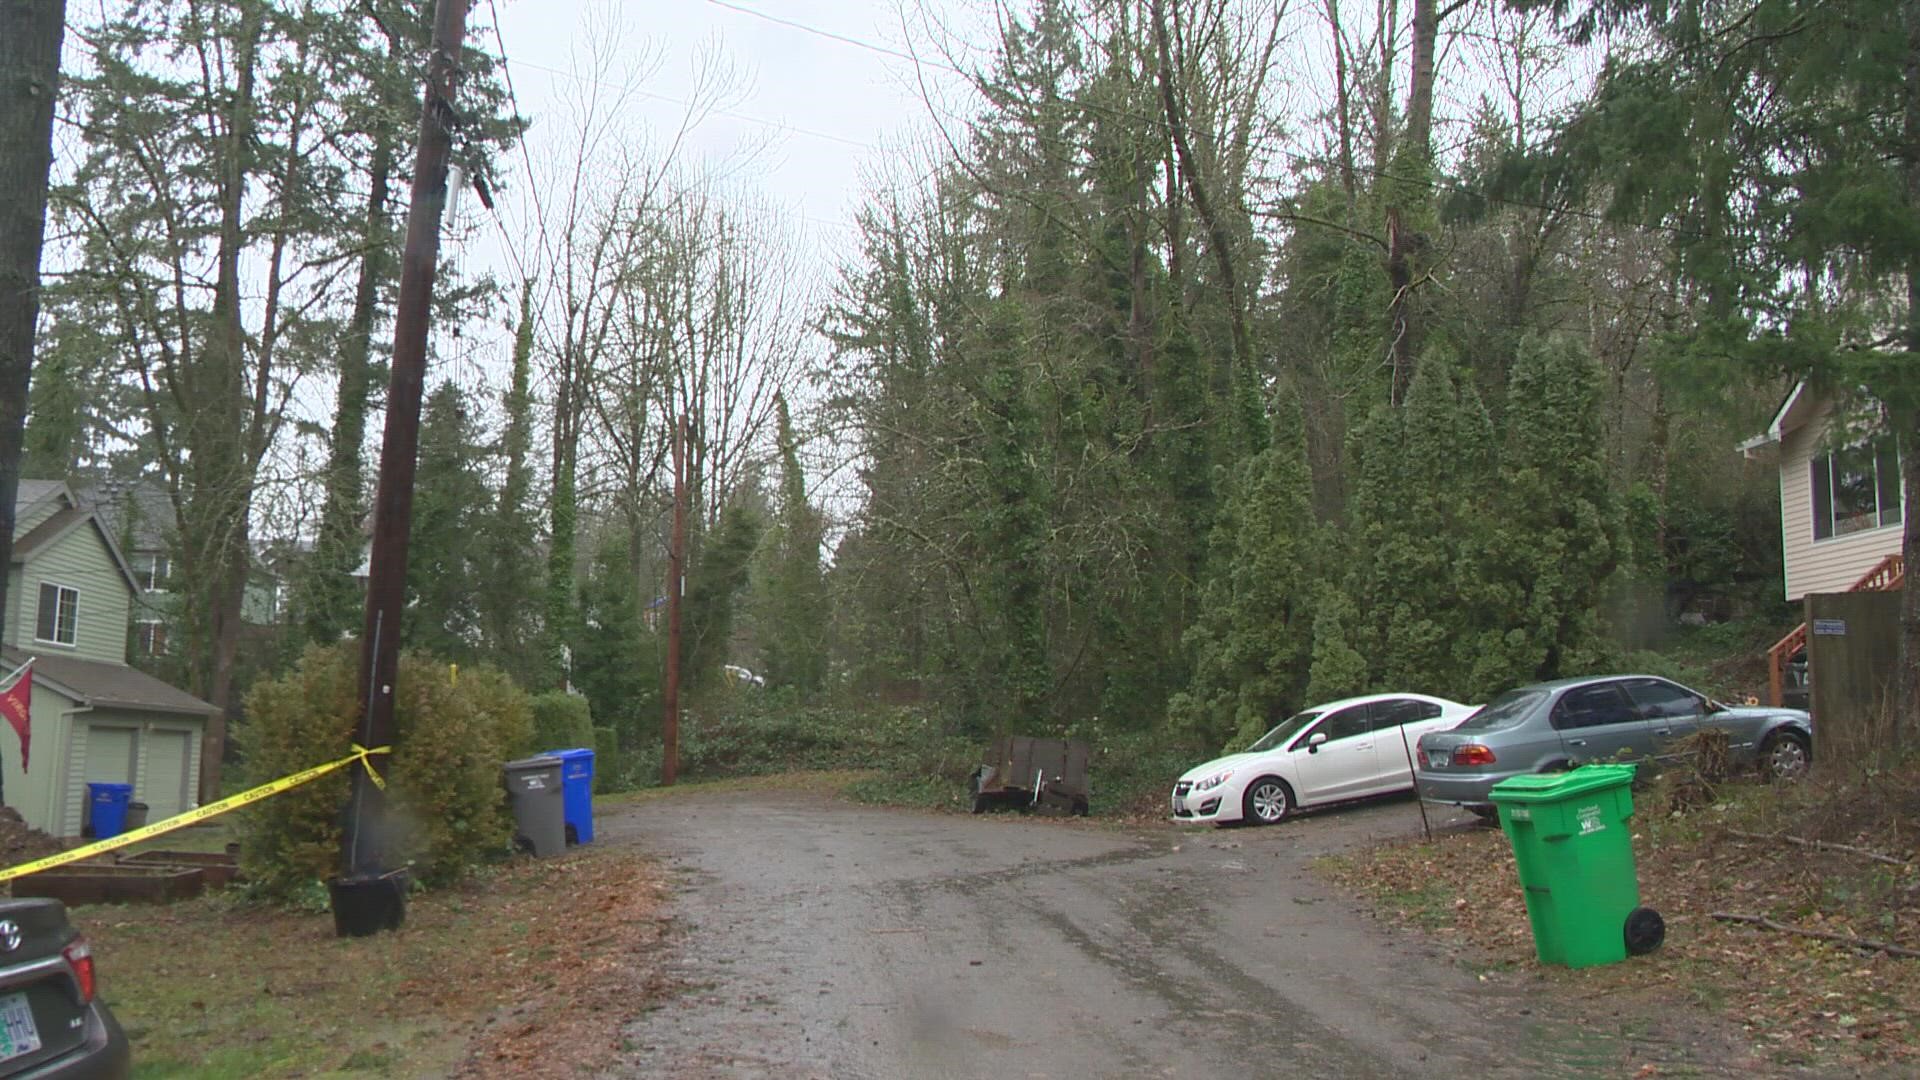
{"x":70,"y":599}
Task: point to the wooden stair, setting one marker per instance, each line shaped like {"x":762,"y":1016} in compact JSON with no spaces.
{"x":1885,"y":577}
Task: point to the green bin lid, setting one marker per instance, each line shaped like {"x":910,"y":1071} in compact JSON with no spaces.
{"x":1553,"y":787}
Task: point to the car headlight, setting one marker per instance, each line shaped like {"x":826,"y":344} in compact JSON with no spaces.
{"x":1214,"y":781}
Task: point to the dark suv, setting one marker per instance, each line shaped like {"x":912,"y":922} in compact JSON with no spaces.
{"x":51,"y":1024}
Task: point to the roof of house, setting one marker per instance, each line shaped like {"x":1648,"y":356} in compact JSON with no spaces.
{"x":63,"y":522}
{"x":34,"y":491}
{"x":104,"y":685}
{"x":138,"y":512}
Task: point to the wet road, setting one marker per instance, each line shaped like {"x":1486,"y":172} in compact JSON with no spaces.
{"x":827,"y":940}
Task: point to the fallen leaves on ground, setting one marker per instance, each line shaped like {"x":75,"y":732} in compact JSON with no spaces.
{"x":529,"y":968}
{"x":1800,"y":1002}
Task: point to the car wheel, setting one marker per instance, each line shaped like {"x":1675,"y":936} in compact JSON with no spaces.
{"x":1267,"y":801}
{"x":1485,"y":813}
{"x":1785,"y":756}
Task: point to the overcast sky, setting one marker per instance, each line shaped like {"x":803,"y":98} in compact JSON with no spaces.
{"x":810,"y":112}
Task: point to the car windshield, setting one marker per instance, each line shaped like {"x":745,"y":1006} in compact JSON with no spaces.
{"x":1279,"y":736}
{"x":1504,"y":711}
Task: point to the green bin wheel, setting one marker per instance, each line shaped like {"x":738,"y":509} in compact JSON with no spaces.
{"x":1645,"y":931}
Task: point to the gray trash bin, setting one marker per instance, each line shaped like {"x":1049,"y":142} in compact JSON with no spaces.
{"x":539,"y":805}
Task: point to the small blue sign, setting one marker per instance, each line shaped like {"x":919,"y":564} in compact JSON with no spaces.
{"x":1830,"y":627}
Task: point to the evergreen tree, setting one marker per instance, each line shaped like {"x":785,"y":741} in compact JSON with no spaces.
{"x":446,"y":555}
{"x":1545,"y":565}
{"x":1252,"y":640}
{"x":618,"y":665}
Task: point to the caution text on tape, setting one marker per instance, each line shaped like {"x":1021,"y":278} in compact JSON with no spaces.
{"x":202,"y":813}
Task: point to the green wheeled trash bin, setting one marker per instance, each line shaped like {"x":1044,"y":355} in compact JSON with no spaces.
{"x":1573,"y":849}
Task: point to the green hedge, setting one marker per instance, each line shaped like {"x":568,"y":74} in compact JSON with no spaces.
{"x":444,"y":772}
{"x":561,"y":721}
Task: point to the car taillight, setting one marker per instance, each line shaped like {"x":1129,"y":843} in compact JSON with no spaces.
{"x":79,"y":955}
{"x":1472,"y":754}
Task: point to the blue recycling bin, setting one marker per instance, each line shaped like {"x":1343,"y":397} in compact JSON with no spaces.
{"x":576,"y":780}
{"x":108,"y":813}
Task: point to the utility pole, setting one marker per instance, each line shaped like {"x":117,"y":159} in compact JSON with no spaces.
{"x":370,"y":895}
{"x":676,"y":587}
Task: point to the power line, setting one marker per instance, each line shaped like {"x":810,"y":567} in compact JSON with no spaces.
{"x":513,"y":99}
{"x":734,"y":114}
{"x":842,"y":38}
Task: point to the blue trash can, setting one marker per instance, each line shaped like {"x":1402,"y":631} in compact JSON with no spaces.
{"x":576,"y":779}
{"x":108,"y":803}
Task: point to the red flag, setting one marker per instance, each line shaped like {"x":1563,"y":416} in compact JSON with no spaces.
{"x":16,"y":702}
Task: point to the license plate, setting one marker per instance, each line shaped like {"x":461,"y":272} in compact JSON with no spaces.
{"x":17,"y":1034}
{"x":1437,"y":759}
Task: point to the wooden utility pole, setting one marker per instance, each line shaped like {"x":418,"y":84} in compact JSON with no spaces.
{"x":365,"y":857}
{"x":676,"y":587}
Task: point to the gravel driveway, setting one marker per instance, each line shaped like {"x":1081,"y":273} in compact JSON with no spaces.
{"x":821,"y":939}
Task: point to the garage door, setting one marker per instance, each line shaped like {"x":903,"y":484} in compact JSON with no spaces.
{"x":110,"y":751}
{"x":166,"y":789}
{"x":110,"y":760}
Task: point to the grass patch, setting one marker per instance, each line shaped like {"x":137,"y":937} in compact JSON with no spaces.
{"x":891,"y":789}
{"x":219,"y":987}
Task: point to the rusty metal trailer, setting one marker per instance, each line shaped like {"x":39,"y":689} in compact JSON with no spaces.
{"x":1044,"y":775}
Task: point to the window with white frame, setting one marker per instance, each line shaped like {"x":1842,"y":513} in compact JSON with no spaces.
{"x":1856,"y":488}
{"x":59,"y":614}
{"x":150,"y":569}
{"x":150,"y":637}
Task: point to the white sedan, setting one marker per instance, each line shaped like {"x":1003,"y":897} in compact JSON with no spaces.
{"x":1349,"y":749}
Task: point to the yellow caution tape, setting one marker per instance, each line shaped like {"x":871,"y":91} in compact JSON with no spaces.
{"x":213,"y":809}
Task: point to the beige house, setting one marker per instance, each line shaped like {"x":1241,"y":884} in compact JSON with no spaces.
{"x":1842,"y":510}
{"x":1842,"y":517}
{"x":94,"y":718}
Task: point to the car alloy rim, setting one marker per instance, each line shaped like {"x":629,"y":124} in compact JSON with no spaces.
{"x":1269,"y":802}
{"x":1789,"y":758}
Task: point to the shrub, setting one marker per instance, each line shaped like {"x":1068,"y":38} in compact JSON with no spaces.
{"x":609,"y":762}
{"x":561,"y":721}
{"x":443,"y":775}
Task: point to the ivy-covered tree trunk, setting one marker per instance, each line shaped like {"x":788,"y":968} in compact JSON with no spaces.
{"x":793,"y":633}
{"x":509,"y":591}
{"x":333,"y":603}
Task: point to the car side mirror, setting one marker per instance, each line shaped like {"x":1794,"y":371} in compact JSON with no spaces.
{"x":1314,"y":740}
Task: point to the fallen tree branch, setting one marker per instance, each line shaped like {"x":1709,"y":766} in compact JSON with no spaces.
{"x":1822,"y":845}
{"x":1822,"y":935}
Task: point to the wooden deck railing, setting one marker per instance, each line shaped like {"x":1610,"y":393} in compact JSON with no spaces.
{"x":1887,"y":576}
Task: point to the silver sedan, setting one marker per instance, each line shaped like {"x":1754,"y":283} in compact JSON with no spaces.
{"x":1558,"y":725}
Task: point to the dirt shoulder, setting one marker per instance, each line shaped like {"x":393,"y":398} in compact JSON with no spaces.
{"x":1796,"y":1004}
{"x":527,"y":969}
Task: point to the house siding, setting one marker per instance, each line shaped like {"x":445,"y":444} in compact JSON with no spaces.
{"x":1816,"y":566}
{"x":14,"y":606}
{"x":35,"y":794}
{"x":78,"y":560}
